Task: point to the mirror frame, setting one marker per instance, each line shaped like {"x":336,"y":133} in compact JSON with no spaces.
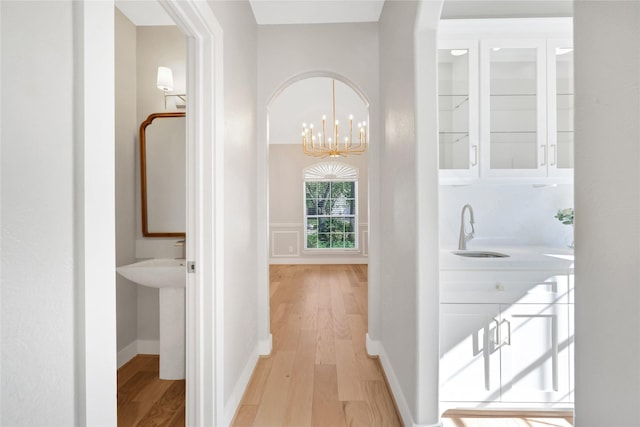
{"x":143,"y":176}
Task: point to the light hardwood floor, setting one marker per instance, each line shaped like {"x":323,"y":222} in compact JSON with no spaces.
{"x":318,"y":373}
{"x":146,"y":400}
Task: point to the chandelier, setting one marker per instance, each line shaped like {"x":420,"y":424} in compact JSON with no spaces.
{"x":322,"y":144}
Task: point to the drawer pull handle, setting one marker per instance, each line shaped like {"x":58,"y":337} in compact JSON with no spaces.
{"x":508,"y":340}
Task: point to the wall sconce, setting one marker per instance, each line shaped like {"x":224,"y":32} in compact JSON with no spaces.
{"x":165,"y":84}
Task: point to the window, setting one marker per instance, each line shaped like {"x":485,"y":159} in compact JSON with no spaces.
{"x":331,"y":200}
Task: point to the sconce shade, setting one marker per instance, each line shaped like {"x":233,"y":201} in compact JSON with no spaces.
{"x":165,"y":79}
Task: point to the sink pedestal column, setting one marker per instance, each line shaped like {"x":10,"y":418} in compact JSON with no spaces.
{"x":172,"y":333}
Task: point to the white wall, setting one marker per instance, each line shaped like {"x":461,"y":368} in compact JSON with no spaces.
{"x":607,"y":186}
{"x":37,"y":175}
{"x":286,"y":207}
{"x":58,"y":237}
{"x":126,"y":131}
{"x":507,"y":214}
{"x":398,"y":284}
{"x":240,"y":302}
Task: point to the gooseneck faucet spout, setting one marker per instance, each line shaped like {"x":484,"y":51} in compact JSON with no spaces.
{"x":464,"y":236}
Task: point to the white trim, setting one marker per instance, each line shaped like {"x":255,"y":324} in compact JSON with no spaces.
{"x":375,"y":348}
{"x":301,"y":260}
{"x":300,"y":224}
{"x":326,"y":251}
{"x":364,"y":244}
{"x":205,"y":209}
{"x":94,"y":220}
{"x":127,"y":353}
{"x":286,"y":225}
{"x":265,"y":346}
{"x":238,"y":389}
{"x":148,"y":346}
{"x":287,"y":254}
{"x":426,"y":403}
{"x":394,"y":385}
{"x":137,"y":347}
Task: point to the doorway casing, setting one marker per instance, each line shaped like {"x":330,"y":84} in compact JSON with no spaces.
{"x":205,"y":208}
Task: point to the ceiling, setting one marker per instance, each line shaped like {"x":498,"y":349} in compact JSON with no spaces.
{"x":269,"y":12}
{"x":144,"y":12}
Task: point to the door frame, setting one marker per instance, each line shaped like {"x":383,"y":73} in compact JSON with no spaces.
{"x":205,"y":207}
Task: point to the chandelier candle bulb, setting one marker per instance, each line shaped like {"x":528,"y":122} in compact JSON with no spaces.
{"x":313,"y":138}
{"x":324,"y":141}
{"x":350,"y":129}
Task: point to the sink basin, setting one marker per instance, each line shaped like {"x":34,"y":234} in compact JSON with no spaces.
{"x":480,"y":254}
{"x":156,"y":273}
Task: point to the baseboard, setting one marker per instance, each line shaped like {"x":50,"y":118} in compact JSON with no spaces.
{"x":148,"y":346}
{"x":394,"y":384}
{"x":328,"y":261}
{"x":372,"y":346}
{"x":127,"y":353}
{"x":241,"y":385}
{"x":265,"y":346}
{"x":135,"y":348}
{"x":376,"y":348}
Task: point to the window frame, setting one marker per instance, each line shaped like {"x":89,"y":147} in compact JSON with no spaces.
{"x":331,"y":172}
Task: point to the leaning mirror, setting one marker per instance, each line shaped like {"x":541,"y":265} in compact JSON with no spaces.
{"x":163,"y":175}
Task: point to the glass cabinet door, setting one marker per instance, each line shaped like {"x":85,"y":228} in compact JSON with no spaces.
{"x":458,"y":111}
{"x":514,"y":113}
{"x":561,"y":99}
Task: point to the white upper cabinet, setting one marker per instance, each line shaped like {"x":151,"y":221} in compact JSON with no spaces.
{"x":561,"y":100}
{"x":459,"y":155}
{"x":513,"y":108}
{"x":505,"y":99}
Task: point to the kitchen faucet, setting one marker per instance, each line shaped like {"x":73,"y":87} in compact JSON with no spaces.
{"x":464,"y":236}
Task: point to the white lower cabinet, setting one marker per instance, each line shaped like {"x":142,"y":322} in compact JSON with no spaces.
{"x":534,"y":359}
{"x":507,"y":353}
{"x":469,"y":362}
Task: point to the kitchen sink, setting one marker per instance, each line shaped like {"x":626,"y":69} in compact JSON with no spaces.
{"x":480,"y":254}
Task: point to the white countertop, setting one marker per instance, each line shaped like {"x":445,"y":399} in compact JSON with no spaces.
{"x":520,"y":258}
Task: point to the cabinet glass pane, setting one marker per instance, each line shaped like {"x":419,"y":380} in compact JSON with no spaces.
{"x":564,"y":102}
{"x":513,"y":100}
{"x":453,"y":106}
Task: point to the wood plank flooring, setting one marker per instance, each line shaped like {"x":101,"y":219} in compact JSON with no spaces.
{"x":146,"y":400}
{"x":319,"y":373}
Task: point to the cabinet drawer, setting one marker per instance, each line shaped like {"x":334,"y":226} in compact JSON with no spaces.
{"x":552,"y":290}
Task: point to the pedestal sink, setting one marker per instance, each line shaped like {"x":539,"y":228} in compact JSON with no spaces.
{"x":169,"y":275}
